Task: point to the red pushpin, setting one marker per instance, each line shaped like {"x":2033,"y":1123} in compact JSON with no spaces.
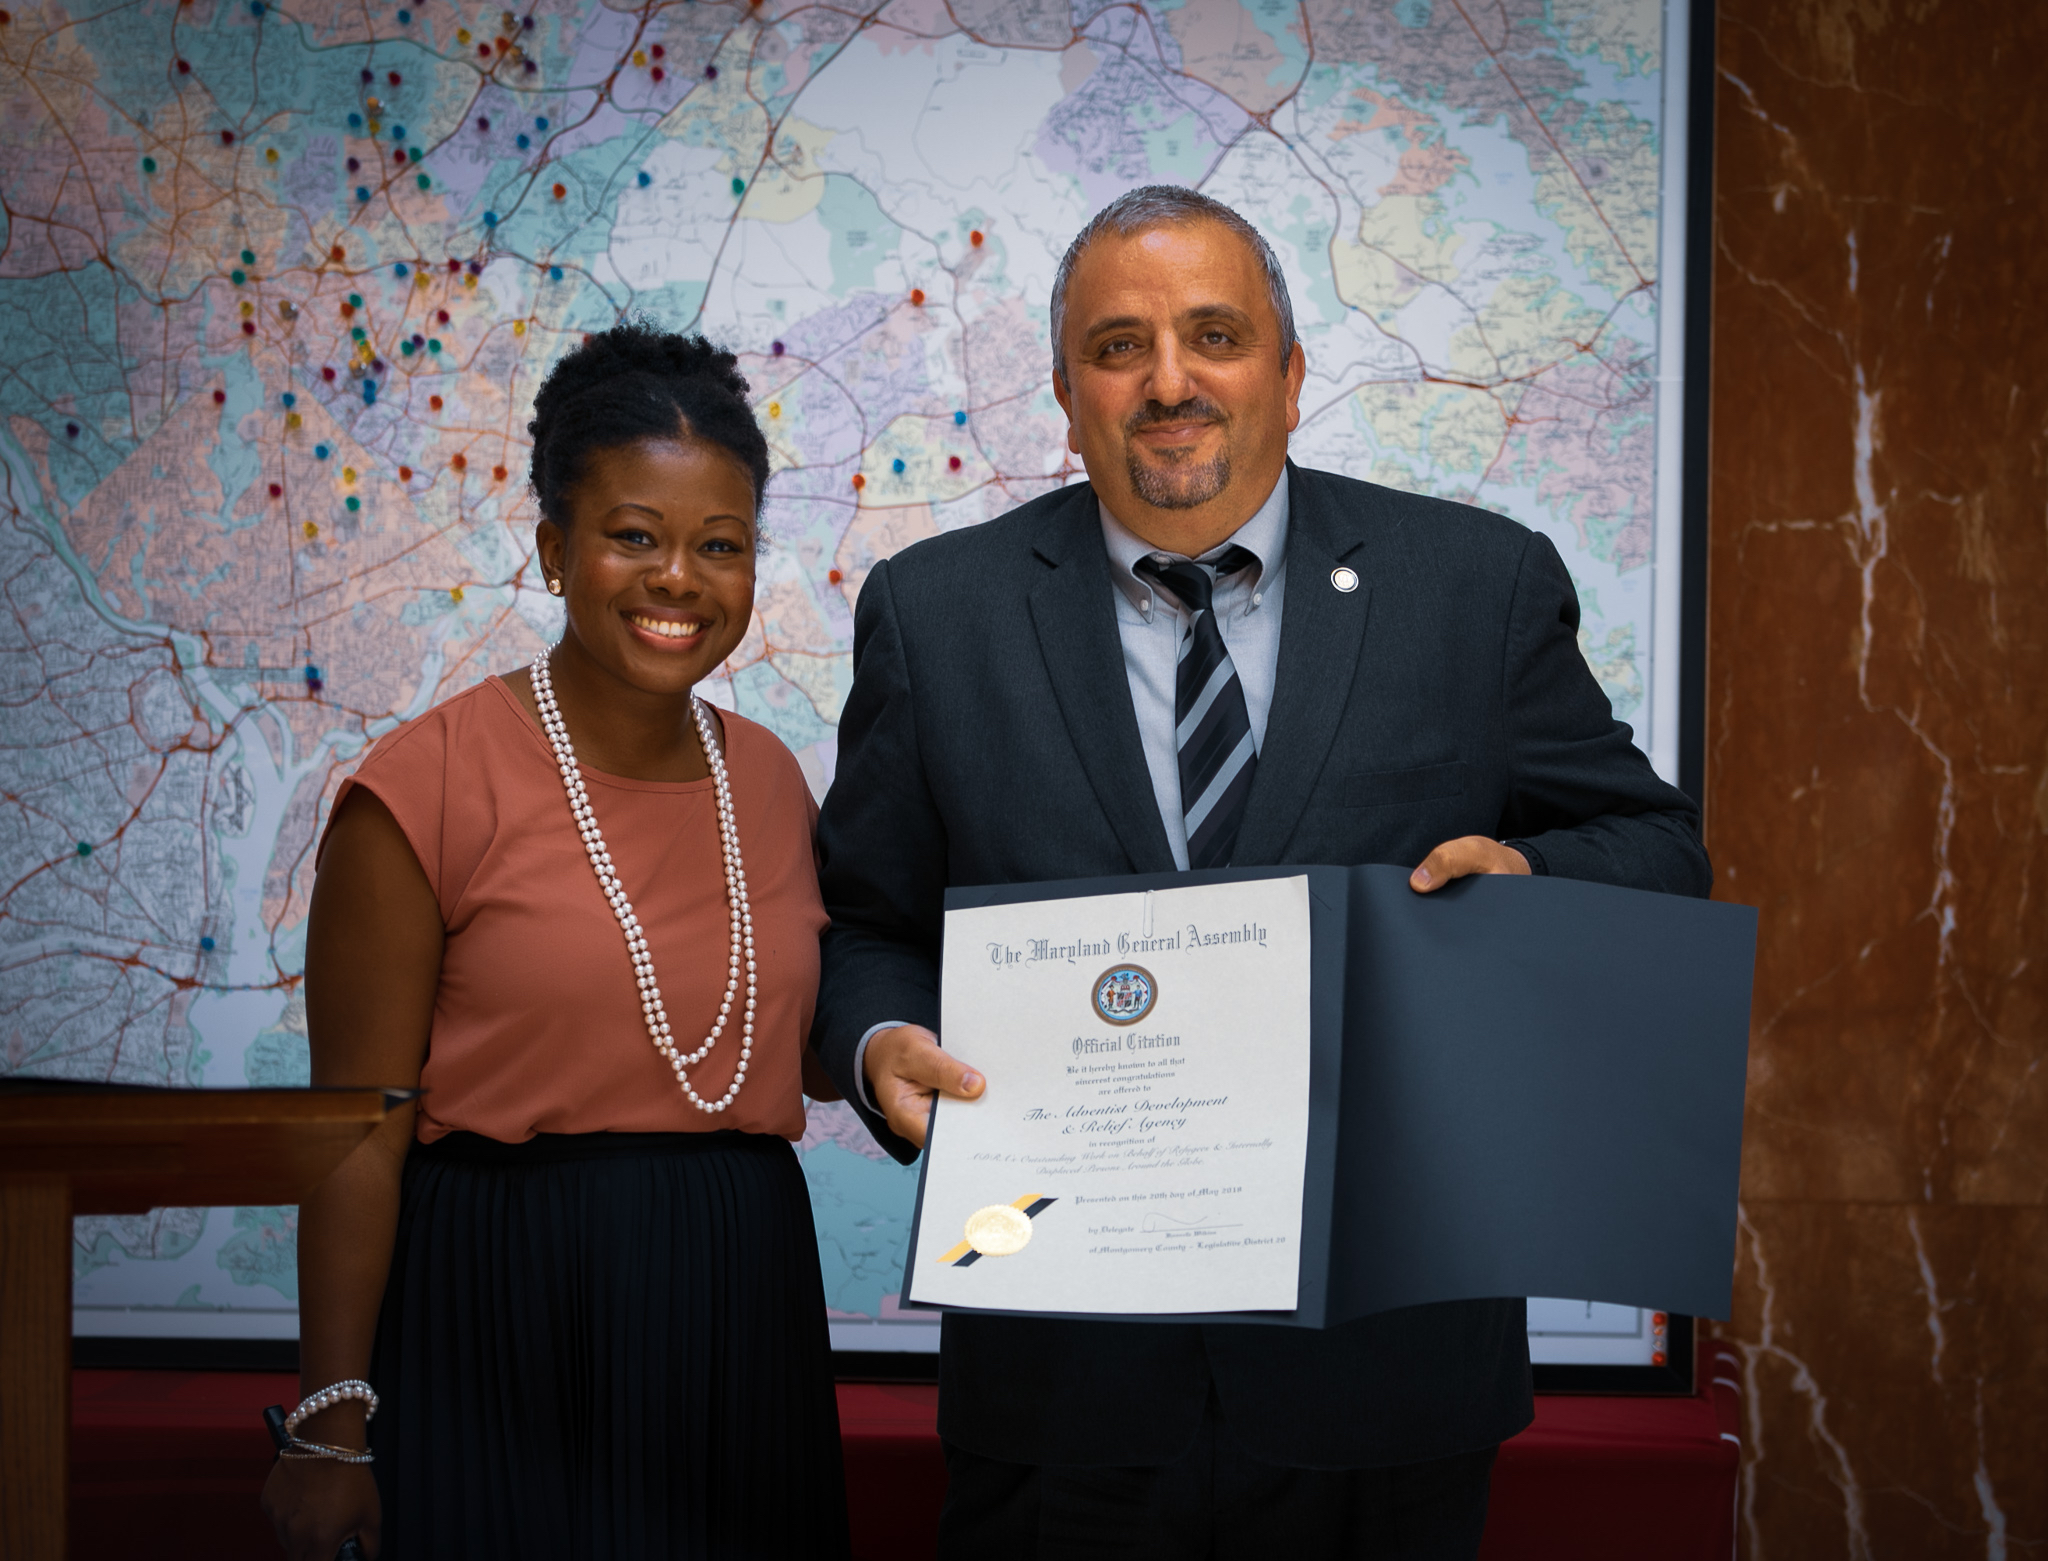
{"x":917,"y":296}
{"x":561,"y":190}
{"x":953,"y":462}
{"x":975,"y":238}
{"x":497,"y":474}
{"x":405,"y":474}
{"x":328,"y":375}
{"x":435,"y":403}
{"x":338,"y":253}
{"x":441,"y":315}
{"x":277,"y":490}
{"x":393,"y":77}
{"x":184,"y":67}
{"x":657,"y":51}
{"x":460,"y":463}
{"x":859,"y":482}
{"x":248,"y":327}
{"x":220,"y":398}
{"x":834,"y":576}
{"x":227,"y":138}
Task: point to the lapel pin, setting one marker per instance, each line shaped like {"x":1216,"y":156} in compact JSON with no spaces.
{"x":1344,"y":579}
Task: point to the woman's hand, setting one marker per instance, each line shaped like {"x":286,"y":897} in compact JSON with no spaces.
{"x":317,"y":1503}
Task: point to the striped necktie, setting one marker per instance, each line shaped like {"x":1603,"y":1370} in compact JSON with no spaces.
{"x":1211,"y":729}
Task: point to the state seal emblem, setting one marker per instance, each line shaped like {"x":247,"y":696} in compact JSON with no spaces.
{"x":1124,"y":994}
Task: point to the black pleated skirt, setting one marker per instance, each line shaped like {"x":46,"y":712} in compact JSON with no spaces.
{"x":606,"y":1345}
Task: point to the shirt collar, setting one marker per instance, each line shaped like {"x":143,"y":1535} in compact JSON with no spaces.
{"x":1264,"y":536}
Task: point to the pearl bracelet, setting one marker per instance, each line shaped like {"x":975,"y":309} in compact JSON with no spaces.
{"x":328,"y":1397}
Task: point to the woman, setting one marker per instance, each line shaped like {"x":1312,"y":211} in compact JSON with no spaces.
{"x":578,"y":909}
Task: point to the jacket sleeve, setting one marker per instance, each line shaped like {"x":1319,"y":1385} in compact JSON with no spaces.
{"x":1583,"y":801}
{"x":882,"y":854}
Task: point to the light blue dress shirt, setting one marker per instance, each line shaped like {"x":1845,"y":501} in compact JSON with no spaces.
{"x":1151,"y":623}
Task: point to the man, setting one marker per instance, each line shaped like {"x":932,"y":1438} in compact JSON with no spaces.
{"x":1207,"y":656}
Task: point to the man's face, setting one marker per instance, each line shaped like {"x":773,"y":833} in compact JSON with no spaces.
{"x":1176,"y":397}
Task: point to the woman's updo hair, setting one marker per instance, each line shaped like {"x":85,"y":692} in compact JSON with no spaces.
{"x":637,"y":382}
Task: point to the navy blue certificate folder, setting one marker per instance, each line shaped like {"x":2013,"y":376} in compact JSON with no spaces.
{"x":1519,"y":1086}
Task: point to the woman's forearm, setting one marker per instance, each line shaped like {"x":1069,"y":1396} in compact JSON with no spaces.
{"x":346,"y":1228}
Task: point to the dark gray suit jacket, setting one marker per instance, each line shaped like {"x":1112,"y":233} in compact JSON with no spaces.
{"x":990,"y":738}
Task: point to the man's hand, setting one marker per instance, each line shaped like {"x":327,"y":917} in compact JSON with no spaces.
{"x":1461,"y":858}
{"x":906,"y":1070}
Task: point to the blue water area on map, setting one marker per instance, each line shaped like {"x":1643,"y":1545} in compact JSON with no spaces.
{"x":862,"y":1208}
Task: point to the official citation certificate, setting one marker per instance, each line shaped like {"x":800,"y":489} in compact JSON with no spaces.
{"x":1140,"y":1146}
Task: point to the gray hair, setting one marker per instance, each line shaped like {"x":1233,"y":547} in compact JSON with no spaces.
{"x":1157,"y":205}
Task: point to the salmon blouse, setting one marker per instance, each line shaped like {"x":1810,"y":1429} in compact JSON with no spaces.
{"x":537,"y":1025}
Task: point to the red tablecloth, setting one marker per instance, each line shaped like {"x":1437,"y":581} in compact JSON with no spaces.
{"x":168,"y":1464}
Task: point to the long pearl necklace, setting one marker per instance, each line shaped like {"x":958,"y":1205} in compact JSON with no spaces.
{"x":622,"y":908}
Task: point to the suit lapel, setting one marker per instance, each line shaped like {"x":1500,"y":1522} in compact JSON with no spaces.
{"x":1320,"y":636}
{"x":1075,"y":615}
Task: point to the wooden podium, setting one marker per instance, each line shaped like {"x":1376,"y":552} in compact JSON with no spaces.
{"x":70,"y":1149}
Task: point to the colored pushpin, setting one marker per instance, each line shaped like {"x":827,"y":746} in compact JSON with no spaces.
{"x":313,"y":679}
{"x":248,"y":327}
{"x":658,"y":51}
{"x":220,"y":398}
{"x":184,"y":67}
{"x":974,"y":238}
{"x":368,"y":77}
{"x":739,"y":186}
{"x":859,"y":482}
{"x":540,"y":122}
{"x":414,"y":154}
{"x":657,"y":74}
{"x":355,"y":301}
{"x":355,"y":165}
{"x":561,"y":190}
{"x":337,"y":254}
{"x":959,"y":419}
{"x":434,"y":402}
{"x":711,"y":73}
{"x":238,"y":277}
{"x":554,"y":273}
{"x":917,"y":296}
{"x":433,"y":345}
{"x":398,"y":269}
{"x":490,"y":219}
{"x":149,"y":165}
{"x":248,"y":309}
{"x":645,"y":178}
{"x":953,"y":462}
{"x":354,"y":503}
{"x":462,"y":35}
{"x":405,"y":18}
{"x":459,"y":462}
{"x":483,"y":123}
{"x":441,"y":315}
{"x":775,"y":409}
{"x":834,"y":576}
{"x":497,"y":473}
{"x":293,"y":421}
{"x":776,"y":348}
{"x":518,"y":327}
{"x":896,"y":466}
{"x":311,"y":531}
{"x":319,"y":452}
{"x":417,"y":340}
{"x":398,"y":132}
{"x":393,"y":77}
{"x":424,"y":183}
{"x":640,"y":57}
{"x":455,"y":594}
{"x":405,"y":474}
{"x":85,"y":848}
{"x":270,"y":154}
{"x":521,"y":141}
{"x":289,"y":399}
{"x":355,"y":122}
{"x":71,"y":430}
{"x":277,"y":490}
{"x":227,"y":138}
{"x":362,"y":194}
{"x":327,"y":374}
{"x":255,"y":7}
{"x":206,"y":944}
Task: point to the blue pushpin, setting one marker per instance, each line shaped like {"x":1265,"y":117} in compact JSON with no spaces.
{"x":896,"y":466}
{"x":554,"y":273}
{"x":541,"y":123}
{"x":355,"y":121}
{"x":319,"y":452}
{"x":646,"y":178}
{"x":398,"y":270}
{"x":206,"y":944}
{"x":490,"y":219}
{"x":369,"y":392}
{"x":255,"y":7}
{"x":959,"y":419}
{"x":522,"y":141}
{"x":289,"y":399}
{"x":405,"y":18}
{"x":398,"y":132}
{"x":362,"y":194}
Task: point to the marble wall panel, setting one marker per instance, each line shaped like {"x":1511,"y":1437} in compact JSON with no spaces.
{"x":1877,"y":773}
